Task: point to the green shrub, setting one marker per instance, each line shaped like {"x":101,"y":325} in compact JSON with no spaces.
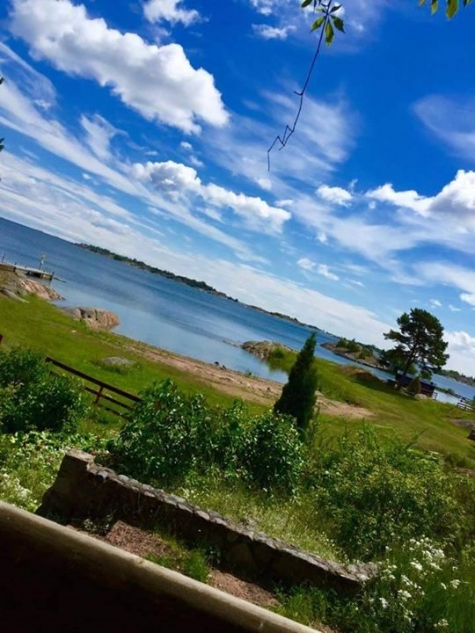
{"x":298,"y":394}
{"x":375,"y":492}
{"x":414,"y":387}
{"x":167,"y":435}
{"x":273,"y":453}
{"x":171,"y":436}
{"x":33,"y":398}
{"x":21,"y":367}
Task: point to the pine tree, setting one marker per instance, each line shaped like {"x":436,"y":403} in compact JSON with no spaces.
{"x":298,"y":395}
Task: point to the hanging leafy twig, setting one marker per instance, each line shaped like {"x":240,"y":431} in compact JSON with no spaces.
{"x":326,"y":23}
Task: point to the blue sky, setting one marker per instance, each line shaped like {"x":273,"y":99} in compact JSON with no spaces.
{"x":143,"y":126}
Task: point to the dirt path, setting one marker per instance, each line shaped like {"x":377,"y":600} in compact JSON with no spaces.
{"x":240,"y":385}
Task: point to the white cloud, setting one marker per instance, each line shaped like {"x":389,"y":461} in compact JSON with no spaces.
{"x":468,"y":298}
{"x":266,"y":184}
{"x":306,"y":263}
{"x":99,"y":133}
{"x":451,"y":121}
{"x":453,"y":308}
{"x":177,"y":180}
{"x":265,"y":7}
{"x":435,"y":303}
{"x":408,"y":199}
{"x":133,"y":69}
{"x":186,"y":146}
{"x":284,"y":203}
{"x":323,"y":270}
{"x":322,"y":237}
{"x":18,"y":112}
{"x":335,"y":195}
{"x":170,"y":11}
{"x":446,"y":273}
{"x":456,"y":200}
{"x":462,"y":351}
{"x":268,"y":32}
{"x":167,"y":176}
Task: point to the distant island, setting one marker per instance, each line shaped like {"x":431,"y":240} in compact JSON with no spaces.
{"x":200,"y":285}
{"x":456,"y":375}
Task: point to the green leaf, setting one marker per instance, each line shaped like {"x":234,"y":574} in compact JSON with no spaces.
{"x":329,"y":33}
{"x":318,"y":23}
{"x":305,"y":3}
{"x":338,"y":24}
{"x":452,"y":8}
{"x":337,"y":7}
{"x":434,"y":5}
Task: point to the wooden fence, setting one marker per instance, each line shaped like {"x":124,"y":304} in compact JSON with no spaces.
{"x":106,"y":396}
{"x":466,"y":404}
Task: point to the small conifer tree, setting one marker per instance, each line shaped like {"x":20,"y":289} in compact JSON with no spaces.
{"x":298,"y":395}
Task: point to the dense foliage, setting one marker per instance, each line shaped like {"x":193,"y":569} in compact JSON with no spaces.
{"x":375,"y":493}
{"x":31,"y":397}
{"x":172,"y":436}
{"x":298,"y":394}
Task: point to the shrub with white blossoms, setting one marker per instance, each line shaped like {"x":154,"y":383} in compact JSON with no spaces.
{"x":29,"y":463}
{"x":419,"y":591}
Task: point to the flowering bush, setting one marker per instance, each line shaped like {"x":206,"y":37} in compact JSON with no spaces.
{"x":421,"y":589}
{"x":374,"y":492}
{"x":29,"y":463}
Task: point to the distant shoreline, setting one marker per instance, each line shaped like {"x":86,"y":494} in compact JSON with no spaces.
{"x":193,"y":283}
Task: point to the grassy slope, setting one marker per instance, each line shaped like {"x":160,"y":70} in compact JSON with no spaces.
{"x":426,"y":420}
{"x":40,"y":325}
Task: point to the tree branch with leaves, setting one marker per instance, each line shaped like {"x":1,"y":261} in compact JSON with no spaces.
{"x":329,"y":21}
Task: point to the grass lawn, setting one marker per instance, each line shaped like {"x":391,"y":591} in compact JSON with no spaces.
{"x":42,"y":326}
{"x":428,"y":422}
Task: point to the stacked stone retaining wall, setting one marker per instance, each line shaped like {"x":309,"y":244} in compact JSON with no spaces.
{"x":84,"y":489}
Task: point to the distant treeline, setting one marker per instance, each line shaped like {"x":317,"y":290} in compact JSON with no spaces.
{"x":201,"y":285}
{"x":455,"y":375}
{"x":152,"y":269}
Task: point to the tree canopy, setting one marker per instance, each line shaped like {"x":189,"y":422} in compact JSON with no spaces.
{"x":419,"y":341}
{"x":298,"y":394}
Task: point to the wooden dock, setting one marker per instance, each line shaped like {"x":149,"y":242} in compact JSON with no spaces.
{"x":39,"y":273}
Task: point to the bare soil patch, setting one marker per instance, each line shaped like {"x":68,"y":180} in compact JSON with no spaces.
{"x":144,"y":543}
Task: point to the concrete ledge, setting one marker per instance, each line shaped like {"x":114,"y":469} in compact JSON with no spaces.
{"x":55,"y":579}
{"x":84,"y":489}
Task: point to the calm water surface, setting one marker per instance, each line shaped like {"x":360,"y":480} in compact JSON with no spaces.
{"x":162,"y":312}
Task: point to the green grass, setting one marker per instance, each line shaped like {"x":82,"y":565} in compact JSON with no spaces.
{"x":294,"y":520}
{"x":41,"y":326}
{"x":427,"y":422}
{"x":190,"y":562}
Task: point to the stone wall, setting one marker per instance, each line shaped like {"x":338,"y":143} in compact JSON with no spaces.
{"x":84,"y":489}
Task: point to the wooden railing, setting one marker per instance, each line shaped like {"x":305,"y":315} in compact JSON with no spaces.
{"x":104,"y":394}
{"x":101,"y":390}
{"x":466,"y":404}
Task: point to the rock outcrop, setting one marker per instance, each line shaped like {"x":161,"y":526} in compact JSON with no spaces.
{"x":16,"y":286}
{"x":94,"y":318}
{"x":263,"y":349}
